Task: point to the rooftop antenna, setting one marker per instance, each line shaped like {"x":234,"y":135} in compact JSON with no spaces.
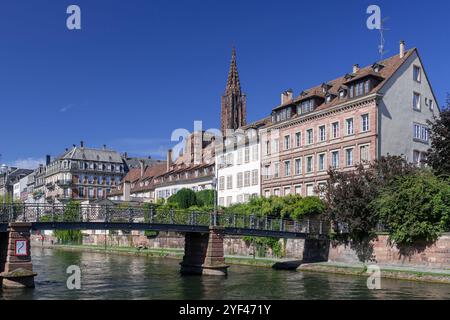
{"x":381,"y":46}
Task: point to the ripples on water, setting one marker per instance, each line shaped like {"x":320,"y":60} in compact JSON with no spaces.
{"x":107,"y":276}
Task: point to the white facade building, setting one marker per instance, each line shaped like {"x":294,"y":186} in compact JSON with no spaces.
{"x":238,"y":166}
{"x":20,"y":189}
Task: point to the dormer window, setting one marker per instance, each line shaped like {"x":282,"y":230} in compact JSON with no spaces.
{"x":325,"y":88}
{"x":329,"y":97}
{"x":376,"y":67}
{"x":342,"y":93}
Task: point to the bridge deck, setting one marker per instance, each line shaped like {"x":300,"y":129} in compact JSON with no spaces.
{"x":44,"y":217}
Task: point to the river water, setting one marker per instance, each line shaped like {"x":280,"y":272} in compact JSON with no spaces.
{"x":108,"y":276}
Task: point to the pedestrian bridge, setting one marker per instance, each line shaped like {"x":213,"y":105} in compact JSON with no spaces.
{"x":204,"y":231}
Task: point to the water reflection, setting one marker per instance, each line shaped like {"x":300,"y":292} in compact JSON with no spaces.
{"x":106,"y":276}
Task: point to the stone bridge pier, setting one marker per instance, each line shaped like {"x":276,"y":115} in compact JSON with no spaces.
{"x":16,"y":268}
{"x":203,"y":253}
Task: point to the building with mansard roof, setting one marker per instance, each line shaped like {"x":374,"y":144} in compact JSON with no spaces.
{"x":82,"y":174}
{"x":369,"y":112}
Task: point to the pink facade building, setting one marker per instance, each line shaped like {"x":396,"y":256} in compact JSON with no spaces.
{"x":369,"y":112}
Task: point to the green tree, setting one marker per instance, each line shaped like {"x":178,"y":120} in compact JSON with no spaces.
{"x":415,"y":208}
{"x":349,"y":195}
{"x":438,"y":156}
{"x":205,"y":198}
{"x":184,"y":198}
{"x":308,"y":206}
{"x":71,"y":214}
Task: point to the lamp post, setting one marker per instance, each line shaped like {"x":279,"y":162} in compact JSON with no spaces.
{"x":214,"y":183}
{"x":4,"y":170}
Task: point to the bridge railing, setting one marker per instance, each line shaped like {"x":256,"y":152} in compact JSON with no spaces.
{"x":153,"y":215}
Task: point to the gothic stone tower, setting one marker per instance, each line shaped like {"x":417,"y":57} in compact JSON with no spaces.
{"x":234,"y":112}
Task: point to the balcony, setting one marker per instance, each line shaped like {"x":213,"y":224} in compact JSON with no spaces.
{"x":64,"y":182}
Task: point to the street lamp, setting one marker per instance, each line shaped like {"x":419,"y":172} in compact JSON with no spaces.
{"x":4,"y":170}
{"x":214,"y":183}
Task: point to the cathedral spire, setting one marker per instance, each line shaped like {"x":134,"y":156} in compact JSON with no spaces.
{"x":233,"y":101}
{"x":233,"y":75}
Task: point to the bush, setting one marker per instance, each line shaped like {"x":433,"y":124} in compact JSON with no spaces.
{"x":415,"y":208}
{"x":291,"y":206}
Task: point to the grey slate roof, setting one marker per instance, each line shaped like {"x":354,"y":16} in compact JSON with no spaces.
{"x":87,"y":154}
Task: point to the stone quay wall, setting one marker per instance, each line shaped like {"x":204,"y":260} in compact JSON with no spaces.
{"x":381,"y":251}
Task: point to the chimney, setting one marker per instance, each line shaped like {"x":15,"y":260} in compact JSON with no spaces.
{"x":126,"y":190}
{"x":169,"y":159}
{"x":47,"y":159}
{"x":402,"y":49}
{"x":82,"y":144}
{"x":286,"y":96}
{"x":142,"y":165}
{"x":355,"y":68}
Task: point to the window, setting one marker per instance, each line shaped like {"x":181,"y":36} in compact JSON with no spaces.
{"x":321,"y":160}
{"x":221,"y":183}
{"x":364,"y":153}
{"x":229,"y":182}
{"x":276,"y":170}
{"x":298,"y":166}
{"x":335,"y":159}
{"x":267,"y":193}
{"x":367,"y":86}
{"x":309,"y":164}
{"x":416,"y":101}
{"x":246,"y":178}
{"x":287,"y":140}
{"x":240,"y":198}
{"x":417,"y":74}
{"x":239,"y":156}
{"x":430,"y":104}
{"x":416,"y":157}
{"x":230,"y":159}
{"x":276,"y":145}
{"x":240,"y":180}
{"x":247,"y":155}
{"x":298,"y":139}
{"x":335,"y":130}
{"x":309,"y":136}
{"x":255,"y":177}
{"x":298,"y":189}
{"x":287,"y":190}
{"x":266,"y":172}
{"x":267,"y":147}
{"x":349,"y":157}
{"x":287,"y":168}
{"x":365,"y":123}
{"x":229,"y":200}
{"x":310,"y":189}
{"x":307,"y":106}
{"x":276,"y":192}
{"x":322,"y":135}
{"x":420,"y":132}
{"x":255,"y":152}
{"x":349,"y":126}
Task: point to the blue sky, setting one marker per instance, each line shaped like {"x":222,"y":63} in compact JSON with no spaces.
{"x":139,"y":69}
